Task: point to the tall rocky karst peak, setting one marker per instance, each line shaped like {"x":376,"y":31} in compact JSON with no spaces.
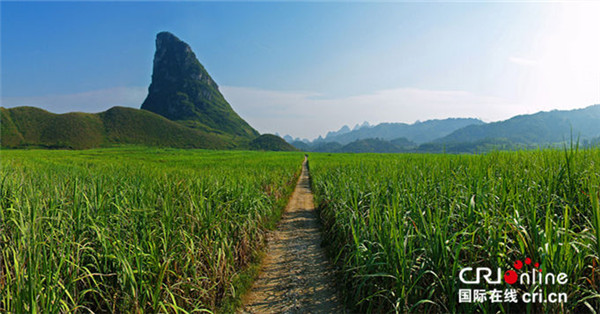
{"x":183,"y":91}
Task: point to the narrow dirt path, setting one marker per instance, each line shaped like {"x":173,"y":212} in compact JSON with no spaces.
{"x":295,"y":276}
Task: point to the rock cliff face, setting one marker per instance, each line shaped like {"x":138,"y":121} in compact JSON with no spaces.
{"x":183,"y":91}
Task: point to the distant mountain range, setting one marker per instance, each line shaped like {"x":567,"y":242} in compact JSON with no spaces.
{"x":455,"y":135}
{"x":184,"y":108}
{"x":419,"y":132}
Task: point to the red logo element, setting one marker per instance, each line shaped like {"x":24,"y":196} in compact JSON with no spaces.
{"x":510,"y":277}
{"x":518,"y":264}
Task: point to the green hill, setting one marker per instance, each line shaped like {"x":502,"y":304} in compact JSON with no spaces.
{"x":37,"y":127}
{"x":29,"y":126}
{"x":9,"y":134}
{"x":128,"y":125}
{"x":270,"y":142}
{"x":541,"y":128}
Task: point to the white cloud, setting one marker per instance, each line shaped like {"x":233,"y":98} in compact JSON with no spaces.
{"x":524,"y":61}
{"x":90,"y":101}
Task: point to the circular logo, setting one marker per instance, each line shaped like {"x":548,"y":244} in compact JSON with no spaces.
{"x":510,"y":277}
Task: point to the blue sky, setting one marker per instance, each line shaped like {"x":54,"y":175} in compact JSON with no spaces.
{"x":307,"y":68}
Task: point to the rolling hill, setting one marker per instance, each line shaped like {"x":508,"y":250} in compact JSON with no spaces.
{"x":541,"y":128}
{"x":30,"y":126}
{"x":270,"y":142}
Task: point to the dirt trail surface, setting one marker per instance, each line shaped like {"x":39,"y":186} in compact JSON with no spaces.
{"x":295,"y":276}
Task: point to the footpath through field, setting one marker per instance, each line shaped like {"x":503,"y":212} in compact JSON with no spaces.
{"x":296,"y":276}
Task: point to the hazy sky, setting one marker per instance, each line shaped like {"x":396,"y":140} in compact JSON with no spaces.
{"x":308,"y":68}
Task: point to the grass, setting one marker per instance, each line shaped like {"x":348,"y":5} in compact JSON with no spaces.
{"x":400,"y":227}
{"x":168,"y":230}
{"x":134,"y":229}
